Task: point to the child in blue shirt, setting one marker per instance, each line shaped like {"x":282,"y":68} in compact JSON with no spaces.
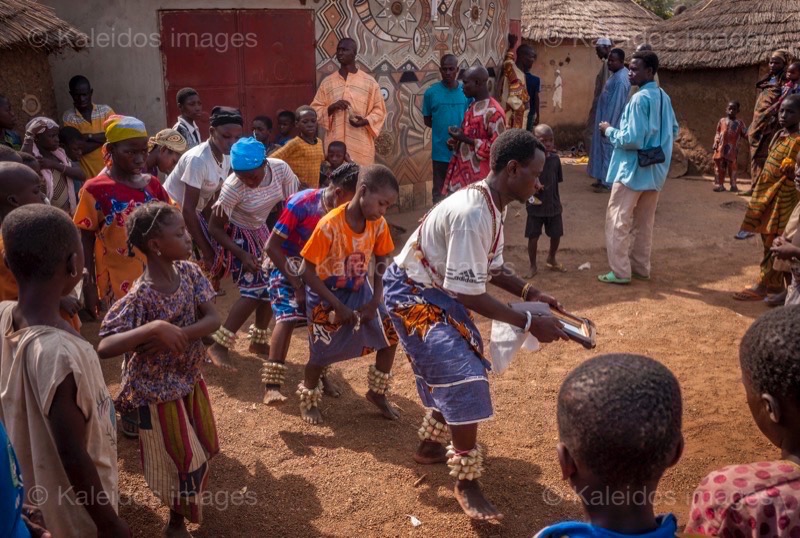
{"x":619,"y":424}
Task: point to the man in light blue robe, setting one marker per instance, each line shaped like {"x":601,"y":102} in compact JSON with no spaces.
{"x":609,"y":109}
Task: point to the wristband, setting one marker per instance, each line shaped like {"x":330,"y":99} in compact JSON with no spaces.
{"x":529,"y":322}
{"x":525,"y":290}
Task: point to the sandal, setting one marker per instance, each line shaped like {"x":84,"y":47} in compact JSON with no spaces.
{"x":748,"y":192}
{"x":749,"y":295}
{"x":129,"y":425}
{"x":557,"y":267}
{"x":719,"y":188}
{"x":743,"y":235}
{"x":734,"y":188}
{"x":637,"y":276}
{"x":611,"y":278}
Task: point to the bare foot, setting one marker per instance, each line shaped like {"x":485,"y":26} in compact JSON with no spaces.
{"x":330,"y":388}
{"x":469,"y":495}
{"x":219,"y":357}
{"x":312,"y":416}
{"x":259,"y":349}
{"x":531,"y":273}
{"x":380,"y":401}
{"x":430,"y":453}
{"x":272,"y":395}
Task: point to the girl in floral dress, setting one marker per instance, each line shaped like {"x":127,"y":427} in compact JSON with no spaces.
{"x":159,"y":325}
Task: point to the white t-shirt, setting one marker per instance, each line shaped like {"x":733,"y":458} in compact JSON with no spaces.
{"x":456,"y":238}
{"x":33,"y":364}
{"x":199,"y":169}
{"x":249,"y":208}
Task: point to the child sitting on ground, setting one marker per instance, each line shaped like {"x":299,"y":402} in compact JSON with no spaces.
{"x":726,"y":147}
{"x":53,"y":399}
{"x":761,"y":499}
{"x":619,"y":424}
{"x":159,"y":325}
{"x":286,"y":289}
{"x":335,"y":157}
{"x":304,"y":154}
{"x":346,"y":316}
{"x":544,"y":210}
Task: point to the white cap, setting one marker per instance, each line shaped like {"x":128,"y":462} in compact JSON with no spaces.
{"x":603,"y":41}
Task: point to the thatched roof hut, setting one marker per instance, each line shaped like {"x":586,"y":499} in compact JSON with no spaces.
{"x":563,"y":33}
{"x":715,"y":52}
{"x":553,"y":21}
{"x":27,"y":24}
{"x":29,"y":32}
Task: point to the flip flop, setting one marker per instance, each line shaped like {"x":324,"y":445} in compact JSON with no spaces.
{"x":611,"y":278}
{"x":558,"y":268}
{"x":719,"y":189}
{"x":743,"y":235}
{"x":637,"y":276}
{"x":749,"y":295}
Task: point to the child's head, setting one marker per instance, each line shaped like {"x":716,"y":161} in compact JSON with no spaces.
{"x":544,"y":134}
{"x":43,"y":245}
{"x":520,"y":157}
{"x":47,"y":131}
{"x":189,"y":103}
{"x":377,"y":190}
{"x":262,"y":128}
{"x":31,"y":162}
{"x":619,"y":423}
{"x":71,"y":140}
{"x":793,"y":72}
{"x":307,"y":121}
{"x":8,"y":155}
{"x":169,"y":145}
{"x":337,"y":152}
{"x":248,"y":160}
{"x":157,"y":229}
{"x":19,"y":186}
{"x":343,"y":181}
{"x":126,"y":142}
{"x":733,"y":109}
{"x":7,"y":117}
{"x":789,"y":115}
{"x":286,"y":121}
{"x":770,"y":359}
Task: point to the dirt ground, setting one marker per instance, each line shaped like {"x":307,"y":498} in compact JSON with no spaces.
{"x":353,"y":476}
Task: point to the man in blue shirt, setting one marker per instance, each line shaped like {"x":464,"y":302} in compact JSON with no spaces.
{"x":443,"y":106}
{"x":647,"y":122}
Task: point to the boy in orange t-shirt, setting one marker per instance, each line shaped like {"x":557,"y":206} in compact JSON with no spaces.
{"x":346,"y":316}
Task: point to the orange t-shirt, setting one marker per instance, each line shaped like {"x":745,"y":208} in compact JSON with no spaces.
{"x":9,"y":290}
{"x":342,"y":256}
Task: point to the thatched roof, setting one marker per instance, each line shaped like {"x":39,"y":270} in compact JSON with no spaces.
{"x":553,"y":21}
{"x":725,"y":33}
{"x":28,"y":24}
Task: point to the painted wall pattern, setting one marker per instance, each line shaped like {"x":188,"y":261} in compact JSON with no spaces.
{"x":400,"y":43}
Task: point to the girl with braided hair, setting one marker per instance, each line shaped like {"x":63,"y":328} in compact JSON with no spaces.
{"x":158,"y":325}
{"x":286,"y":289}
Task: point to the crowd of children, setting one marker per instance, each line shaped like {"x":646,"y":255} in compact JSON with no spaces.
{"x":140,"y":231}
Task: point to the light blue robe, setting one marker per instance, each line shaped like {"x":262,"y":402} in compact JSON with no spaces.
{"x":610,"y":106}
{"x":648,"y":120}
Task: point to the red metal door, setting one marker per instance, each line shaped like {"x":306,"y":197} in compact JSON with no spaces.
{"x":239,"y":58}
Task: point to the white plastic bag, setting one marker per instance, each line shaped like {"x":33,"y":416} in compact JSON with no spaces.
{"x":506,"y":342}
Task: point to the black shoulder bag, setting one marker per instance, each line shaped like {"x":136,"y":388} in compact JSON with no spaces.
{"x":654,"y":155}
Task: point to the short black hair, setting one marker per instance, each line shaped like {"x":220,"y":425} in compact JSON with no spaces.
{"x":9,"y":155}
{"x":145,"y":223}
{"x":286,"y":114}
{"x":448,"y":56}
{"x":770,"y":353}
{"x":795,"y":63}
{"x":514,"y":145}
{"x":29,"y":160}
{"x":37,"y":238}
{"x":184,"y":94}
{"x":620,"y":416}
{"x":648,"y":58}
{"x":302,"y":109}
{"x":68,"y":135}
{"x":619,"y":53}
{"x":338,"y":144}
{"x":266,"y":120}
{"x":793,"y":99}
{"x":376,"y":177}
{"x":346,"y":177}
{"x":76,"y":81}
{"x":525,"y":48}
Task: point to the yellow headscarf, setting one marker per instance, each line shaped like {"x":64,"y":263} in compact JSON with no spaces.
{"x":119,"y":128}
